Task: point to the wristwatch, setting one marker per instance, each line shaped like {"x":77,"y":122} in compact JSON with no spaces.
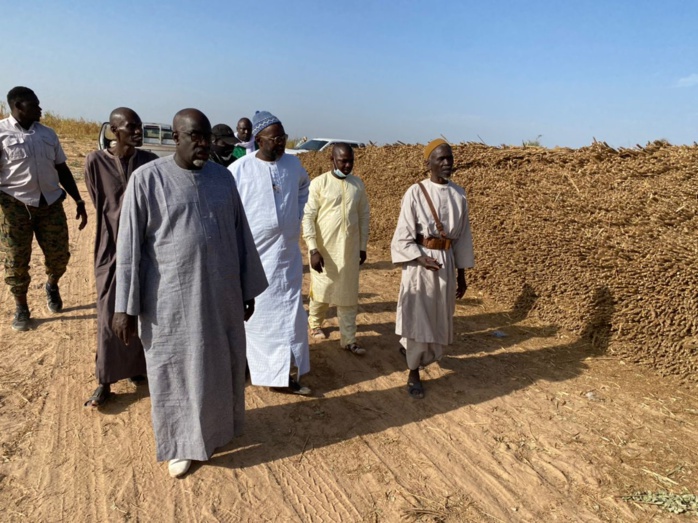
{"x":313,"y":251}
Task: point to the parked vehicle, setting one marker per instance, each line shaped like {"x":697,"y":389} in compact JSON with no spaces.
{"x":321,"y":144}
{"x":157,"y":138}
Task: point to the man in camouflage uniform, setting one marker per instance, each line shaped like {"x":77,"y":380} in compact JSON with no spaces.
{"x":34,"y":179}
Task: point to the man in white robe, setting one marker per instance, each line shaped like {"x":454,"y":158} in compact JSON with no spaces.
{"x":335,"y":229}
{"x":187,"y":268}
{"x":273,"y":187}
{"x":433,"y":263}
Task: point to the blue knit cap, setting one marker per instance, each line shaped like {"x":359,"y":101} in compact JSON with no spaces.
{"x":261,"y":120}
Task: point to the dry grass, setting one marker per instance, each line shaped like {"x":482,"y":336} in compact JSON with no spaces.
{"x":71,"y":127}
{"x":293,"y":141}
{"x":64,"y":127}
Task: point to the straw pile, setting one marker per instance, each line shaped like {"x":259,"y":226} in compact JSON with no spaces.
{"x":595,"y":232}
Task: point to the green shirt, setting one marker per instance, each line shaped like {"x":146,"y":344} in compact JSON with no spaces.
{"x":239,"y":152}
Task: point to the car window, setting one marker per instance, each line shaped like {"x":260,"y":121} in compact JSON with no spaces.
{"x":312,"y":145}
{"x":167,"y":137}
{"x":151,"y":134}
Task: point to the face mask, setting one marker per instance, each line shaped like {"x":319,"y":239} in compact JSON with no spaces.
{"x":221,"y":152}
{"x":338,"y":173}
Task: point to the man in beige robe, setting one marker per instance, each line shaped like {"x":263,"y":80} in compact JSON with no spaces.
{"x":433,"y":262}
{"x":335,"y":229}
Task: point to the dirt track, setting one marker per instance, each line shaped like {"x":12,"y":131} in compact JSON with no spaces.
{"x":527,"y":427}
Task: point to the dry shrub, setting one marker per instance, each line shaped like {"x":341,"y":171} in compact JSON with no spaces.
{"x":586,"y":229}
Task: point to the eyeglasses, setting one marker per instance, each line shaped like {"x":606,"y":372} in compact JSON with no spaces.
{"x":198,"y":137}
{"x":278,"y":140}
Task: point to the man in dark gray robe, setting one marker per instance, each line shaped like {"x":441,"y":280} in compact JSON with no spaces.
{"x":187,"y":267}
{"x":107,"y":172}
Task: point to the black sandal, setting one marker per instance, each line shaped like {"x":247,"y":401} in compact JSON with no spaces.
{"x":99,"y":396}
{"x":415,"y":390}
{"x":297,"y":388}
{"x":293,"y":388}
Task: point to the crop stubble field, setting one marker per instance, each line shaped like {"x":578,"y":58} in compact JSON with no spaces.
{"x":592,"y":231}
{"x":571,"y":384}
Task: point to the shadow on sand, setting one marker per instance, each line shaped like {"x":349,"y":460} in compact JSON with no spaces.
{"x":36,"y":322}
{"x":469,"y":375}
{"x":119,"y":402}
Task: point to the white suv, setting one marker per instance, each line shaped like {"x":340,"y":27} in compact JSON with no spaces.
{"x":320,"y":144}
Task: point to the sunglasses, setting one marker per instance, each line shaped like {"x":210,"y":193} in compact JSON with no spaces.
{"x":278,"y":140}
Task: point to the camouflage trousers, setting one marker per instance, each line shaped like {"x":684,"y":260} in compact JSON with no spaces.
{"x":19,"y":224}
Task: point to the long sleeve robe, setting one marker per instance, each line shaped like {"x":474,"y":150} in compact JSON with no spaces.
{"x":186,"y":262}
{"x":274,"y":194}
{"x":427,"y":299}
{"x":106,"y":182}
{"x":335,"y":222}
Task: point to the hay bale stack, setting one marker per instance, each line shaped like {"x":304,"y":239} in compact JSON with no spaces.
{"x":592,"y":229}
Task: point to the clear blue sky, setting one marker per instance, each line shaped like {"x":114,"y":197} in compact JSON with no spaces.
{"x":625,"y":72}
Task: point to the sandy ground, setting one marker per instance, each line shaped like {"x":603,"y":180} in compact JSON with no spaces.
{"x":521,"y":422}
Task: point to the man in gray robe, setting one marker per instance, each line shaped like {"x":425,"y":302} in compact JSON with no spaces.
{"x":433,"y":244}
{"x":107,"y":172}
{"x":187,"y":267}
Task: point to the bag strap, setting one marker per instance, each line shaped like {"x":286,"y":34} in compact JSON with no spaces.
{"x":439,"y":225}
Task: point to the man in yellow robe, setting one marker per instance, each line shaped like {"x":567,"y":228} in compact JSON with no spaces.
{"x":335,"y":229}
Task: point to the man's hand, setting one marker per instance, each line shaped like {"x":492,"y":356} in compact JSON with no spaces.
{"x":65,"y":178}
{"x":429,"y":263}
{"x":81,"y":214}
{"x":249,"y":309}
{"x":462,"y":286}
{"x":317,"y":262}
{"x":362,"y":257}
{"x":124,"y":326}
